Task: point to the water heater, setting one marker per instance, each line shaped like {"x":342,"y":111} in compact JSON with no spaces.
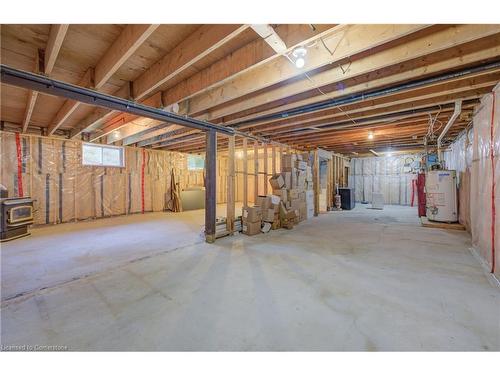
{"x":441,"y":195}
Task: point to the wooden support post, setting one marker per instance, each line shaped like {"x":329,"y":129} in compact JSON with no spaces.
{"x":341,"y":169}
{"x":281,"y":158}
{"x":231,"y":196}
{"x":256,"y":171}
{"x":265,"y":168}
{"x":329,"y":183}
{"x":210,"y":185}
{"x":316,"y":185}
{"x":338,"y":170}
{"x":245,"y":173}
{"x":273,"y":151}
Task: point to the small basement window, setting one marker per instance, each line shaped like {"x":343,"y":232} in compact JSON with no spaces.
{"x":195,"y":162}
{"x":102,"y":156}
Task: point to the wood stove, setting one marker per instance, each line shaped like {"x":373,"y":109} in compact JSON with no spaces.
{"x":16,"y":214}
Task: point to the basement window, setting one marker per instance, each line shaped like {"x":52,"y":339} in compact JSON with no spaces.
{"x":102,"y":156}
{"x":195,"y":162}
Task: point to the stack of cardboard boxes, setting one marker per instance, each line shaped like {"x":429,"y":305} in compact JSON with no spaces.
{"x":298,"y":178}
{"x":292,"y":200}
{"x":251,"y":220}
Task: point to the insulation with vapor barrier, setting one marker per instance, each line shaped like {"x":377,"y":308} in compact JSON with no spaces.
{"x":475,"y":156}
{"x":65,"y":190}
{"x":383,"y":175}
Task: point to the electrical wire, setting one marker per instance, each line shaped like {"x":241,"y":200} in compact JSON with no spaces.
{"x":316,"y":86}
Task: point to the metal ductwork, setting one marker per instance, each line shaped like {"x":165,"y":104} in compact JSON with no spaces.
{"x":454,"y":116}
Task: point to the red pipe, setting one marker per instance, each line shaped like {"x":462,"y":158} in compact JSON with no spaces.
{"x":19,"y":166}
{"x":421,"y":194}
{"x":142,"y":178}
{"x":413,"y":183}
{"x":493,"y":208}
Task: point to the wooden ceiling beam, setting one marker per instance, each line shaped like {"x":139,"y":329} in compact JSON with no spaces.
{"x":44,"y":63}
{"x":475,"y":56}
{"x":54,"y":43}
{"x":129,"y":40}
{"x":344,"y":40}
{"x":32,"y":95}
{"x":316,"y":137}
{"x":487,"y":49}
{"x":446,"y":38}
{"x":359,"y":88}
{"x":240,"y":61}
{"x":101,"y":116}
{"x":286,"y":138}
{"x":343,"y":43}
{"x":243,"y":60}
{"x":409,"y":131}
{"x":117,"y":122}
{"x":465,"y":92}
{"x":195,"y":47}
{"x":392,"y":117}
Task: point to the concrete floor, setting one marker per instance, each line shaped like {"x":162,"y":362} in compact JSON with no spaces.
{"x":359,"y":280}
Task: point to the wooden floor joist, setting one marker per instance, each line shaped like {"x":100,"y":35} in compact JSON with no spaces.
{"x":231,"y":75}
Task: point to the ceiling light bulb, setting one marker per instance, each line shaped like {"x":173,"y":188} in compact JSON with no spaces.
{"x":370,"y":135}
{"x":300,"y":62}
{"x":389,"y":154}
{"x":299,"y":55}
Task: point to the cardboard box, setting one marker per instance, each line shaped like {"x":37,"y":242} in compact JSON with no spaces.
{"x":263,"y":201}
{"x":294,"y":178}
{"x":287,"y":177}
{"x":268,"y":215}
{"x":303,"y":211}
{"x":252,"y":214}
{"x":293,"y":194}
{"x":282,"y":193}
{"x":250,"y":228}
{"x":294,"y":204}
{"x":275,"y":199}
{"x":301,"y":182}
{"x":287,"y":162}
{"x":277,"y":181}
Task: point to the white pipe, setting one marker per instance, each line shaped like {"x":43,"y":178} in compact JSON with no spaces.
{"x":456,"y":113}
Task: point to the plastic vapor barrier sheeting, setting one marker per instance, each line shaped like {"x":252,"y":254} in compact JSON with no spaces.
{"x":485,"y":176}
{"x":65,"y":190}
{"x":383,"y":175}
{"x":475,"y":156}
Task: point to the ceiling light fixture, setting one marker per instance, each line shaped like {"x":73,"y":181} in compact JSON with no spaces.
{"x":299,"y":55}
{"x":370,"y":135}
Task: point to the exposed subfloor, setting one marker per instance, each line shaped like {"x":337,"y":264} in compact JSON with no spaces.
{"x":351,"y":280}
